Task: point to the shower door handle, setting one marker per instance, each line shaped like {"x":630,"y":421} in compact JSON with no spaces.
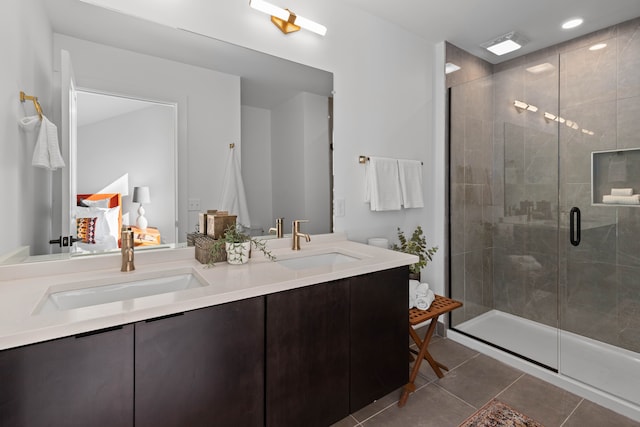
{"x":574,"y":226}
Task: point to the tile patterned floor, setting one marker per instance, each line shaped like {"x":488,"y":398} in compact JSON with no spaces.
{"x":473,"y":380}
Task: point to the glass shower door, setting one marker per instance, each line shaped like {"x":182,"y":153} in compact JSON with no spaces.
{"x":504,"y":209}
{"x":600,"y":270}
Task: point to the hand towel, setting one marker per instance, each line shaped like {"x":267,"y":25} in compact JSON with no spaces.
{"x":46,"y":153}
{"x":383,"y":184}
{"x":234,"y":198}
{"x":410,"y":172}
{"x":622,"y":191}
{"x":622,"y":200}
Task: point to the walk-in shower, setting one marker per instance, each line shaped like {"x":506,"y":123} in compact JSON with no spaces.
{"x":544,"y":258}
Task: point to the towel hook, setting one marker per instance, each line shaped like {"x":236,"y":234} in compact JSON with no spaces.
{"x":24,"y":97}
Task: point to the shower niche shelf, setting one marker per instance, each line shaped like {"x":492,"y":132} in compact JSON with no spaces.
{"x":615,"y":169}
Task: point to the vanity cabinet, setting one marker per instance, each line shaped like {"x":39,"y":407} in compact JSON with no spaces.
{"x":83,"y":380}
{"x":307,"y":350}
{"x":333,"y":348}
{"x":201,"y":368}
{"x":379,"y":320}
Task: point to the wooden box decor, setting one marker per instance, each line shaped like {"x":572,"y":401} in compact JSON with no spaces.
{"x":218,"y":222}
{"x":203,"y":250}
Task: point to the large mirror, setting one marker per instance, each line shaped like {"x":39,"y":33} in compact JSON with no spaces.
{"x":275,"y":113}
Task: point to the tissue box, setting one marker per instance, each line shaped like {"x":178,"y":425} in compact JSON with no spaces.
{"x":217,"y":224}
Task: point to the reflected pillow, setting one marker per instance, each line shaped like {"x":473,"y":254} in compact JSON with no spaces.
{"x":86,"y":229}
{"x":107,"y":223}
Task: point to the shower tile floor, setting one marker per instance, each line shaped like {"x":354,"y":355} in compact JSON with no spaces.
{"x":475,"y":379}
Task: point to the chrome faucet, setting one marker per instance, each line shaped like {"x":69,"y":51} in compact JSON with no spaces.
{"x":296,"y":234}
{"x":126,"y":247}
{"x":278,"y":228}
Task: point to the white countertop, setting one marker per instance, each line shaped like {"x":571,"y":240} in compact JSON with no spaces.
{"x":24,"y":287}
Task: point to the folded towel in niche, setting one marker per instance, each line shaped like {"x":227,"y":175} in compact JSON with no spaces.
{"x":622,"y":191}
{"x":622,"y":200}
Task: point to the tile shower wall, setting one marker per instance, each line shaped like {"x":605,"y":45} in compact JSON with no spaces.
{"x":515,"y":176}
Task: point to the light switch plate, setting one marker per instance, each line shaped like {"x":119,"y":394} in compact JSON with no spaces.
{"x":339,"y":206}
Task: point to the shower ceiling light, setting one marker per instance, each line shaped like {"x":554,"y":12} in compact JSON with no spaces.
{"x":572,"y":23}
{"x":598,"y":46}
{"x":285,"y":20}
{"x":505,"y":44}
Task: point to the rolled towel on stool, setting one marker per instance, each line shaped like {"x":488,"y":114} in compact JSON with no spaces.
{"x":423,"y":302}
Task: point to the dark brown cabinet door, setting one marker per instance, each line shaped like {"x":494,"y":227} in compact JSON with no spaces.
{"x":202,"y":368}
{"x":379,"y":335}
{"x":86,"y":380}
{"x":307,"y":356}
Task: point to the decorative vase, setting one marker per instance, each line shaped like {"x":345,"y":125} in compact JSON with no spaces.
{"x":238,"y":253}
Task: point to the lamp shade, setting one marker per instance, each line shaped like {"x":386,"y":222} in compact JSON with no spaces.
{"x":141,"y":195}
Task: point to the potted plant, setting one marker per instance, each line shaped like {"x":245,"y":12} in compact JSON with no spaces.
{"x":238,"y":246}
{"x":415,"y":245}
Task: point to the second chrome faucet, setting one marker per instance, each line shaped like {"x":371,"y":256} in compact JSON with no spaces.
{"x":296,"y":234}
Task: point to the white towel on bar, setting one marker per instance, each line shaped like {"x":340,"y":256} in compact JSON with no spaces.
{"x":46,"y":153}
{"x":411,"y":183}
{"x":622,"y":200}
{"x":382,"y":184}
{"x":234,"y":198}
{"x":622,"y":191}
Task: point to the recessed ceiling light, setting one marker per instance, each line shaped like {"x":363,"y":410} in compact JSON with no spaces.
{"x":598,"y":46}
{"x":505,"y":44}
{"x":572,"y":23}
{"x":450,"y":67}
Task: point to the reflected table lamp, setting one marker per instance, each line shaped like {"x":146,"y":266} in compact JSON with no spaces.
{"x":141,"y":195}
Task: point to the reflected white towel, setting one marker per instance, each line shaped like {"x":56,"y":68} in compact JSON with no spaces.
{"x":234,"y":198}
{"x":46,"y":153}
{"x":622,"y":191}
{"x":622,"y":200}
{"x":382,"y":184}
{"x":410,"y":172}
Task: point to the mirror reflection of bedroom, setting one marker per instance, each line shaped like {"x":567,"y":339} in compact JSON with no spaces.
{"x":125,"y":158}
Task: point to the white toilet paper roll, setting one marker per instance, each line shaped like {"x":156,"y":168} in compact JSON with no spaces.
{"x":380,"y":242}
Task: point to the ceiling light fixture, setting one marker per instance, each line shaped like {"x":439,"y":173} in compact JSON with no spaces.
{"x":598,"y":46}
{"x":450,"y":67}
{"x":287,"y":21}
{"x":505,"y":44}
{"x":572,"y":23}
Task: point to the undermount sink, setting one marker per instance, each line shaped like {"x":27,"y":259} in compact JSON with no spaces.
{"x":118,"y":290}
{"x":317,"y":260}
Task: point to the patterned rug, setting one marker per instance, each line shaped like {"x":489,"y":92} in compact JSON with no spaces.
{"x":496,"y":413}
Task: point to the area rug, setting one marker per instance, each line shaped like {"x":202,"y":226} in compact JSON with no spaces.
{"x":496,"y":413}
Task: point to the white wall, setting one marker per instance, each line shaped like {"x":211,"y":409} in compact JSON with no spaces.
{"x":25,"y":43}
{"x":316,"y":158}
{"x":140,"y":145}
{"x":384,"y":103}
{"x":256,"y":165}
{"x":208,"y":111}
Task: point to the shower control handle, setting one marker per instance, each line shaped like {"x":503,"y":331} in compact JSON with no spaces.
{"x":574,"y":226}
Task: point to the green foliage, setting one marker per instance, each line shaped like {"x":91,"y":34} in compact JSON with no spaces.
{"x":416,"y":245}
{"x":232,"y":234}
